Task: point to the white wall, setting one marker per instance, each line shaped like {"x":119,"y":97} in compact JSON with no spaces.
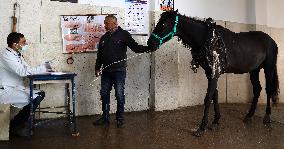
{"x":275,"y":13}
{"x":113,"y":3}
{"x":261,"y":12}
{"x":241,"y":11}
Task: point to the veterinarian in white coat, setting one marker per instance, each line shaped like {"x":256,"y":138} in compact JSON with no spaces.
{"x":13,"y":69}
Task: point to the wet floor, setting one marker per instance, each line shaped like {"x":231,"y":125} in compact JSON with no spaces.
{"x":162,"y":130}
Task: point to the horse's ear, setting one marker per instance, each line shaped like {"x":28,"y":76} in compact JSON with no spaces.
{"x":176,"y":11}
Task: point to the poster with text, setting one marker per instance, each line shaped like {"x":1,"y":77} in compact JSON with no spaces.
{"x":82,"y":33}
{"x":137,"y":16}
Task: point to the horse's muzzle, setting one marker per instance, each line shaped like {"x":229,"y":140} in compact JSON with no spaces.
{"x":152,"y":44}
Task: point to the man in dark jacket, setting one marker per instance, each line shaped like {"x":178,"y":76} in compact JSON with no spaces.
{"x":112,"y":57}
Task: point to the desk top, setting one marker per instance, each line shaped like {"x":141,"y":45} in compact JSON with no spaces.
{"x":52,"y":76}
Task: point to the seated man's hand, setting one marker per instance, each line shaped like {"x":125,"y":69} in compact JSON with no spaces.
{"x":48,"y":67}
{"x":50,"y":70}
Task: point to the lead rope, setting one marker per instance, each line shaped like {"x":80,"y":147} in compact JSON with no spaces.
{"x":131,"y":57}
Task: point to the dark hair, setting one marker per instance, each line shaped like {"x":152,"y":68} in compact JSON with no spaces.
{"x":112,"y":16}
{"x":14,"y":37}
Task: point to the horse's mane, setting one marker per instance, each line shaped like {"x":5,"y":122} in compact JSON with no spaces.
{"x":213,"y":44}
{"x":173,"y":13}
{"x":196,"y":20}
{"x":208,"y":22}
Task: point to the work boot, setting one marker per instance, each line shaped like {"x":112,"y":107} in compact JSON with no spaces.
{"x":101,"y":121}
{"x":21,"y":130}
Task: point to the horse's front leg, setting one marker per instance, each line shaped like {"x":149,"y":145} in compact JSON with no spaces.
{"x":217,"y":116}
{"x":212,"y":85}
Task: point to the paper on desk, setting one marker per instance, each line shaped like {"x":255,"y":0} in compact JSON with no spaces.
{"x":57,"y":73}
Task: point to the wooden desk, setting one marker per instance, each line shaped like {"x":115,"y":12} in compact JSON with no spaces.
{"x":56,"y":77}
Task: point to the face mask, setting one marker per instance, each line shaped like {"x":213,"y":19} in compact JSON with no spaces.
{"x":24,"y":48}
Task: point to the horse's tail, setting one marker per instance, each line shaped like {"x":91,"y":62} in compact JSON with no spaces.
{"x":275,"y":81}
{"x":275,"y":87}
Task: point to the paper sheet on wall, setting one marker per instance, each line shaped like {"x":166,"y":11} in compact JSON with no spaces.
{"x":111,"y":3}
{"x":81,"y":33}
{"x":137,"y":16}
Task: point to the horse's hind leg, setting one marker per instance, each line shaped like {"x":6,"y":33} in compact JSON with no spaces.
{"x":271,"y":78}
{"x":212,"y":85}
{"x":254,"y":78}
{"x":269,"y":74}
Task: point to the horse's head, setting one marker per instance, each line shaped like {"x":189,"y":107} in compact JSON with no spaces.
{"x":165,"y":29}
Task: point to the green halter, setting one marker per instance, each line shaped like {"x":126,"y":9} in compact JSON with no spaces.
{"x":172,"y":33}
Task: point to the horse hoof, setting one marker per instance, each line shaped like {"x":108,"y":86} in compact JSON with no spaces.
{"x":214,"y":127}
{"x":247,"y":119}
{"x":266,"y":119}
{"x":198,"y":133}
{"x":275,"y":100}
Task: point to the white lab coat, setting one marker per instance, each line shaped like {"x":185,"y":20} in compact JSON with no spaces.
{"x":13,"y":69}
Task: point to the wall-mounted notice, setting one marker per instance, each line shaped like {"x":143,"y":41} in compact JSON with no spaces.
{"x":82,"y":33}
{"x":166,"y":5}
{"x":137,"y":16}
{"x":111,"y":3}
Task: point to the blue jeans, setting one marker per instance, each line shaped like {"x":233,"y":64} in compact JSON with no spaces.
{"x":116,"y":79}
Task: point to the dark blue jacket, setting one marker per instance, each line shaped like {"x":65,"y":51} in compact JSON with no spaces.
{"x":112,"y":48}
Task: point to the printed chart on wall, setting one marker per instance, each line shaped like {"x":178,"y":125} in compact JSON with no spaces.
{"x":82,"y":33}
{"x":166,"y":5}
{"x":137,"y":16}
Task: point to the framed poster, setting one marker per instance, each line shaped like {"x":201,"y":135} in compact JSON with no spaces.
{"x":166,"y":5}
{"x":82,"y":33}
{"x":137,"y":16}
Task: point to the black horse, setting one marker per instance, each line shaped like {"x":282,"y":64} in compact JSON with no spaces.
{"x":218,"y":50}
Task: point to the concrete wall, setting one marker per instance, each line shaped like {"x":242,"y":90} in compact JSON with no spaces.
{"x":234,"y":10}
{"x":173,"y":84}
{"x":39,"y":21}
{"x":111,"y":3}
{"x":274,"y":11}
{"x":261,"y":12}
